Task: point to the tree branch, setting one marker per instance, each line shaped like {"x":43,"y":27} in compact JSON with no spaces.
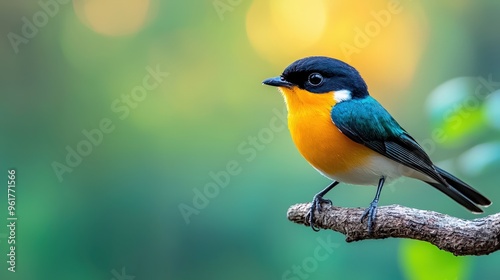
{"x":461,"y":237}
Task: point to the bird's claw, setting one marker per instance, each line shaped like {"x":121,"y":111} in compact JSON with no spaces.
{"x":370,"y":213}
{"x":316,"y":205}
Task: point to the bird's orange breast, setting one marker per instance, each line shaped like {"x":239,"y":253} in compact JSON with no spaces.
{"x":317,"y":138}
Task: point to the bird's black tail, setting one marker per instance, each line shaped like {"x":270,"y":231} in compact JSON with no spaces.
{"x":461,"y":192}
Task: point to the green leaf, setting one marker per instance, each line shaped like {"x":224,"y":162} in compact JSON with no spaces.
{"x":423,"y":261}
{"x":456,"y":107}
{"x":492,"y":113}
{"x":480,"y":158}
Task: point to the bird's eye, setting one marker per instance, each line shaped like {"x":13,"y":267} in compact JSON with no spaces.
{"x":315,"y":79}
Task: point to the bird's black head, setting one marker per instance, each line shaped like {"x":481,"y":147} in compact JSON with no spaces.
{"x":319,"y":74}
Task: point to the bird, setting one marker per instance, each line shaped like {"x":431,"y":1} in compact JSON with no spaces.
{"x":349,"y":137}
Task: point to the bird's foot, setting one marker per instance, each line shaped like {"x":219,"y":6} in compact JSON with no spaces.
{"x":370,"y":213}
{"x":316,"y":204}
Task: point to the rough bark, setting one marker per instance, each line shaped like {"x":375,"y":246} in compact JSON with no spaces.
{"x":461,"y":237}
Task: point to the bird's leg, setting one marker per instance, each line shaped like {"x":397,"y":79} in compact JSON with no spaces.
{"x":316,"y":203}
{"x":371,"y":211}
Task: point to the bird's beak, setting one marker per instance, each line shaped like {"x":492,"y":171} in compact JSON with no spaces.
{"x":278,"y":82}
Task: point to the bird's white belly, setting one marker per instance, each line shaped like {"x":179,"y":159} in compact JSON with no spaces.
{"x":376,"y":167}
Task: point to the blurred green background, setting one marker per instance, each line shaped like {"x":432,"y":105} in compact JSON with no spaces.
{"x":188,"y":175}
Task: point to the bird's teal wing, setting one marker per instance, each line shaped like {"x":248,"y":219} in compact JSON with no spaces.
{"x":365,"y":121}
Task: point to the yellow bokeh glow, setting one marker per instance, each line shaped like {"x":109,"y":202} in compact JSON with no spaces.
{"x":383,"y":39}
{"x":297,"y":24}
{"x":113,"y":17}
